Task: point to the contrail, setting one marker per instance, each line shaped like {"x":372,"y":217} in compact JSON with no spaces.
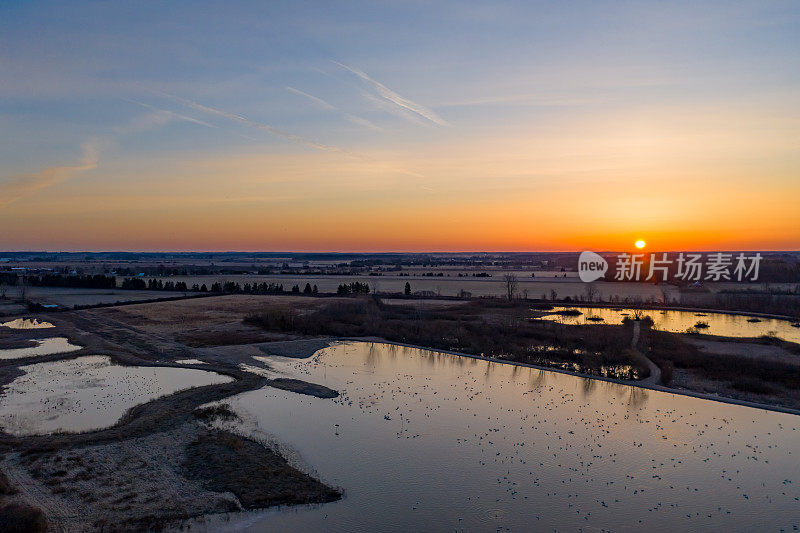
{"x":253,"y":124}
{"x":388,"y":94}
{"x":275,"y":131}
{"x":170,"y":113}
{"x":330,"y":107}
{"x":319,"y":101}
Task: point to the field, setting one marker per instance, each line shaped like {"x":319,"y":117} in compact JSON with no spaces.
{"x":69,"y":298}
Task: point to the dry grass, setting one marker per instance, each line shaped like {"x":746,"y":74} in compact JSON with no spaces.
{"x":303,"y":387}
{"x":9,"y":343}
{"x":205,"y":338}
{"x":215,"y":412}
{"x":129,"y":485}
{"x":259,"y":477}
{"x":736,"y":372}
{"x":203,"y":313}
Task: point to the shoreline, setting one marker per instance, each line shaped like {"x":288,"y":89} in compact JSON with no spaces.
{"x":641,"y":385}
{"x":645,"y":307}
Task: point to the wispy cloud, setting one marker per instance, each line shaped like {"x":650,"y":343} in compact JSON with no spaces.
{"x":391,"y":96}
{"x":251,"y":123}
{"x":279,"y":133}
{"x":330,"y":107}
{"x":524,"y":100}
{"x":159,"y":117}
{"x":394,"y":110}
{"x":319,"y":101}
{"x":17,"y":187}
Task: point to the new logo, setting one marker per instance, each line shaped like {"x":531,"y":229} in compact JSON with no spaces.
{"x":591,"y":266}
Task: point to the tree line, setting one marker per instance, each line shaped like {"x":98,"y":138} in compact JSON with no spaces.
{"x":355,"y":287}
{"x":230,"y":287}
{"x":88,"y":281}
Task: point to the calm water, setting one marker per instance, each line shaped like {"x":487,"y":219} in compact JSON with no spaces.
{"x":42,"y":347}
{"x":87,"y":393}
{"x":719,"y":323}
{"x":421,"y":440}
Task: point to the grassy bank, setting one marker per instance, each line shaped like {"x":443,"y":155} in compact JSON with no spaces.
{"x":259,"y":477}
{"x":489,"y":328}
{"x":672,"y":351}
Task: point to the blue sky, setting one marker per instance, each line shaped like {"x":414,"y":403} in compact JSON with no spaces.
{"x":123,"y":98}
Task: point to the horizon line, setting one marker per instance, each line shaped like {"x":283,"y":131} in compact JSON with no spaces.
{"x":392,"y":252}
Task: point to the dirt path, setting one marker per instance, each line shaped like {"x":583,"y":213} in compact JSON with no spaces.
{"x":61,"y":516}
{"x":655,"y":372}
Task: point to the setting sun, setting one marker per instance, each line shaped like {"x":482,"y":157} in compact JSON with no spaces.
{"x":640,"y":244}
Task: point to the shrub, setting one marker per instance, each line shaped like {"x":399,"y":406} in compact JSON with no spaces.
{"x":212,"y":412}
{"x":749,"y":384}
{"x":666,"y":372}
{"x":21,"y":518}
{"x":5,"y":485}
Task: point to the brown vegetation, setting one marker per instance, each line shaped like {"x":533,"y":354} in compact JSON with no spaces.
{"x":486,"y":328}
{"x":10,"y":343}
{"x":123,"y":485}
{"x":259,"y":477}
{"x":215,"y":412}
{"x":203,"y":338}
{"x":745,"y":374}
{"x":303,"y":387}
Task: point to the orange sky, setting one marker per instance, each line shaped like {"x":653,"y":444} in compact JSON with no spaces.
{"x":532,"y":190}
{"x":519,"y":129}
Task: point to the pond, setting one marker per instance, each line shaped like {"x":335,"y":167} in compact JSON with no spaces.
{"x":421,"y":440}
{"x":50,"y":346}
{"x":679,"y":321}
{"x":87,"y":393}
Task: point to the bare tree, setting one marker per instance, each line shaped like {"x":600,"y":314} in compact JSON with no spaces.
{"x":511,"y":285}
{"x":591,"y":292}
{"x":23,"y":290}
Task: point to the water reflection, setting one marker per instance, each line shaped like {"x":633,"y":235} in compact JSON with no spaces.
{"x":427,"y":441}
{"x":679,"y":321}
{"x":42,"y":347}
{"x":87,"y":393}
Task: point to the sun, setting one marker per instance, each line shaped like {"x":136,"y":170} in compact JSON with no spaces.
{"x":640,"y":244}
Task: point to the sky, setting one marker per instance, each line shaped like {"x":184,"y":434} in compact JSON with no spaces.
{"x":399,"y":126}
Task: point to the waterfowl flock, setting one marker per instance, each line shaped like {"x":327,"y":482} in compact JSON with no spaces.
{"x":87,"y":393}
{"x":442,"y":441}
